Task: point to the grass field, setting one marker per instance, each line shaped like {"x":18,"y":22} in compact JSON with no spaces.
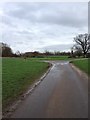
{"x":83,"y":65}
{"x":17,"y":75}
{"x":52,"y":58}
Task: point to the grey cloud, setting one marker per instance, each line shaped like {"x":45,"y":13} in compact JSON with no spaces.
{"x":60,"y":47}
{"x":32,"y":26}
{"x":24,"y":32}
{"x":50,"y":13}
{"x":7,"y":21}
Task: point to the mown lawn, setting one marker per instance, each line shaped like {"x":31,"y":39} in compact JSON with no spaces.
{"x":83,"y":64}
{"x":51,"y":58}
{"x":17,"y":75}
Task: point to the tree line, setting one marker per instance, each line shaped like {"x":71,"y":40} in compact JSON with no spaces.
{"x":80,"y":48}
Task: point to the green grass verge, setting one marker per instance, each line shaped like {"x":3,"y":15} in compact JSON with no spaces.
{"x":83,"y":64}
{"x":17,"y":75}
{"x":52,"y":58}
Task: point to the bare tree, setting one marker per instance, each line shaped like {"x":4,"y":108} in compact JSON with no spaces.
{"x":78,"y":51}
{"x":48,"y":53}
{"x":6,"y":50}
{"x":18,"y":53}
{"x":72,"y":49}
{"x":83,"y":42}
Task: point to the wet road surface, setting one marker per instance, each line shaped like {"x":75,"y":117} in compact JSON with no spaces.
{"x":62,"y":94}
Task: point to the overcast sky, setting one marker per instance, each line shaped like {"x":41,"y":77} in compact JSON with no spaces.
{"x":42,"y":26}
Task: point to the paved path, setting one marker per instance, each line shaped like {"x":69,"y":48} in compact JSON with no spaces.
{"x":62,"y":94}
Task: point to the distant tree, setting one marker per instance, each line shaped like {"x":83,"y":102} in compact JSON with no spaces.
{"x":57,"y":53}
{"x":35,"y":53}
{"x":18,"y":53}
{"x":78,"y":51}
{"x":72,"y":51}
{"x":6,"y":50}
{"x":72,"y":54}
{"x":48,"y":53}
{"x":83,"y":42}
